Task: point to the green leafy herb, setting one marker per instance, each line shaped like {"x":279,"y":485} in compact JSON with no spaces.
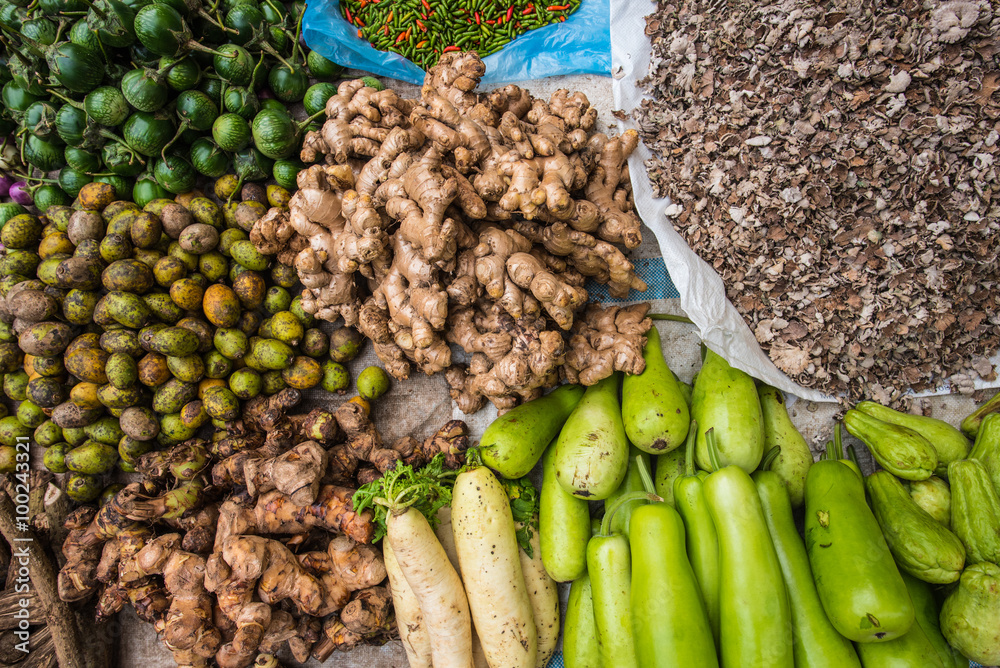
{"x":524,"y":508}
{"x":427,"y":490}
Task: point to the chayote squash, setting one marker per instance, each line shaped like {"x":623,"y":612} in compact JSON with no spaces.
{"x":933,"y":496}
{"x":922,"y":546}
{"x":987,"y":447}
{"x":899,"y":450}
{"x":970,"y":616}
{"x":949,"y":443}
{"x":975,"y":510}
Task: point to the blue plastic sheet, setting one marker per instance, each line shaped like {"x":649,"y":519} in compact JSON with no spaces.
{"x":579,"y":45}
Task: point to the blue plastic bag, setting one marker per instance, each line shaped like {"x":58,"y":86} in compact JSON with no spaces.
{"x":579,"y":45}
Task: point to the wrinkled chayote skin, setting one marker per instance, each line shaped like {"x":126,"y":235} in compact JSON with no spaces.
{"x":970,"y":616}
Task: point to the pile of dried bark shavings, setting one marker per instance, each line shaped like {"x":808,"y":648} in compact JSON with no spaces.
{"x":836,"y":163}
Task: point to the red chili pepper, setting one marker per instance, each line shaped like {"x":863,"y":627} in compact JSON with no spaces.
{"x":401,"y":37}
{"x":388,"y":20}
{"x":490,"y":22}
{"x":359,"y":33}
{"x":422,"y":43}
{"x":477,"y":19}
{"x":426,"y":6}
{"x":348,"y":12}
{"x":451,"y":48}
{"x":431,"y":15}
{"x":423,"y":16}
{"x":358,"y":21}
{"x":556,"y":8}
{"x":510,"y":12}
{"x":527,"y":11}
{"x":408,"y":32}
{"x":421,"y":26}
{"x":385,"y":30}
{"x":469,"y":21}
{"x":562,"y":18}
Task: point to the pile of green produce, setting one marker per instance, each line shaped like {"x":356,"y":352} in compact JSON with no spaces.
{"x":126,"y":328}
{"x":423,"y":30}
{"x":701,"y":563}
{"x":123,"y":93}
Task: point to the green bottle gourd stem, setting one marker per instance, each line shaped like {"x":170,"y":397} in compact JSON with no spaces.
{"x":702,"y":541}
{"x":620,"y":503}
{"x":769,"y":457}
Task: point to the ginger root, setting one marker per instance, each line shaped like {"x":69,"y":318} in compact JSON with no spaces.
{"x":605,"y":340}
{"x":424,"y":220}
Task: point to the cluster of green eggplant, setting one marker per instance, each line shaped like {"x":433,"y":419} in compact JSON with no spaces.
{"x":126,"y":328}
{"x":700,"y":562}
{"x":119,"y":91}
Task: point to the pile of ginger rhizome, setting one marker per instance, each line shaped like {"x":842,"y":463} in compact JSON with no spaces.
{"x":468,"y":219}
{"x":249,"y":544}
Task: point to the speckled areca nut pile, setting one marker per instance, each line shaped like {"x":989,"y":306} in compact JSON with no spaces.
{"x":468,"y":219}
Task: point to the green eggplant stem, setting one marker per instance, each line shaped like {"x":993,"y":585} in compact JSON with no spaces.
{"x":769,"y":458}
{"x":692,"y":438}
{"x":671,"y":318}
{"x":619,"y":503}
{"x":309,"y":120}
{"x":713,"y":449}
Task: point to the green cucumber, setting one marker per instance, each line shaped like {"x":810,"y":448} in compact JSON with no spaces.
{"x":591,"y":456}
{"x":702,"y":538}
{"x":669,"y":622}
{"x":654,"y":411}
